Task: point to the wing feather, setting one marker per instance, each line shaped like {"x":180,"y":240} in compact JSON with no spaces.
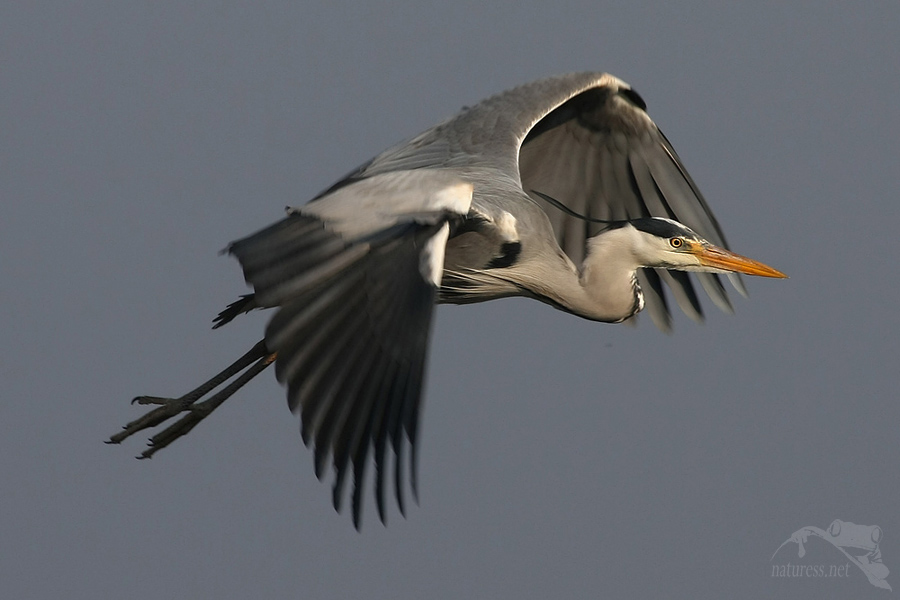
{"x":355,"y":287}
{"x":599,"y":154}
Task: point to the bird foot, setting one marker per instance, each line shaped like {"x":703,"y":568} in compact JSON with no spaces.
{"x":194,"y":414}
{"x":167,"y":408}
{"x":188,"y":406}
{"x":153,"y":400}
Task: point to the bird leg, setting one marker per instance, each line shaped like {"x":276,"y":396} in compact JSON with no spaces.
{"x":258,"y":356}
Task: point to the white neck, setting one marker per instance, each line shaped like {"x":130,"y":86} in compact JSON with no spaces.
{"x":607,"y":289}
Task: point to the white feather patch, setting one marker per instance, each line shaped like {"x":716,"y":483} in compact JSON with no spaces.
{"x":431,"y":261}
{"x":376,"y":203}
{"x":506,"y":225}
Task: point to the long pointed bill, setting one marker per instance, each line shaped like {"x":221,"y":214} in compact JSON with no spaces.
{"x":720,"y":258}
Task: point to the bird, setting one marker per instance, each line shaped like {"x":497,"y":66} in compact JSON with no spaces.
{"x":562,"y":190}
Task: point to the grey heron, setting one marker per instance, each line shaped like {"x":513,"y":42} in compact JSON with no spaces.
{"x":562,"y":190}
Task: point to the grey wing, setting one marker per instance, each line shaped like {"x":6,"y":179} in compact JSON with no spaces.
{"x":601,"y":155}
{"x":355,"y":290}
{"x":486,"y":135}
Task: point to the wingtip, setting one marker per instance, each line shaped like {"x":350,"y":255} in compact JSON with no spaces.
{"x":336,"y":498}
{"x":737,"y":282}
{"x":319,"y":461}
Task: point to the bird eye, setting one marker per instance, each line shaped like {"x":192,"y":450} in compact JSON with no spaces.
{"x":676,"y":242}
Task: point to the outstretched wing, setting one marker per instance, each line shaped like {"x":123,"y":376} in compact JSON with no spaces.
{"x":355,"y":277}
{"x":585,"y":140}
{"x":601,"y":155}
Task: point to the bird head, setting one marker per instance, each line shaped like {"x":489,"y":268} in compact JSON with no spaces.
{"x":667,"y":244}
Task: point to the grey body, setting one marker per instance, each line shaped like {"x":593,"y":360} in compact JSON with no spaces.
{"x":501,"y":200}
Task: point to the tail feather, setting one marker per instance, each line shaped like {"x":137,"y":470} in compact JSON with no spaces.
{"x":242,"y":305}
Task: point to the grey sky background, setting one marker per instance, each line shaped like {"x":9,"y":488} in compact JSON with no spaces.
{"x":559,"y":458}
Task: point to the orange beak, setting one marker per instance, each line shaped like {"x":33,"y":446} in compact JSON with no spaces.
{"x":720,"y":258}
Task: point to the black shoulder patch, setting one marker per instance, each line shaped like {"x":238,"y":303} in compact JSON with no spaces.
{"x":509,"y":253}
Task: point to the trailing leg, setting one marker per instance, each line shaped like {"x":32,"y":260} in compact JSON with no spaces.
{"x":257,"y":359}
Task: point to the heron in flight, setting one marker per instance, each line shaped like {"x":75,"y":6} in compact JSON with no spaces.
{"x":562,"y":190}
